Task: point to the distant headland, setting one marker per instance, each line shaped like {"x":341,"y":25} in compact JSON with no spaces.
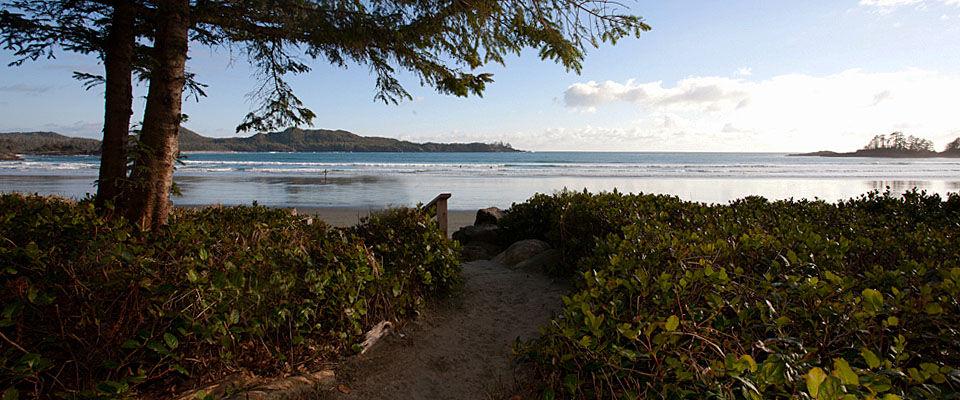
{"x":290,"y":140}
{"x":894,"y":145}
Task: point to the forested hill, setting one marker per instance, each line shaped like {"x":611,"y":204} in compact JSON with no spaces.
{"x":46,"y":143}
{"x":300,"y":140}
{"x":290,"y":140}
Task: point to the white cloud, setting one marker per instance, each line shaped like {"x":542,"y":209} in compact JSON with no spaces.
{"x":886,"y":6}
{"x":888,"y":3}
{"x":708,"y":94}
{"x":87,"y":129}
{"x":26,"y":88}
{"x":788,"y":112}
{"x":745,"y":71}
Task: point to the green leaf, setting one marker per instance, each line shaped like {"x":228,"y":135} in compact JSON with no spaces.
{"x":891,"y":396}
{"x":178,"y":368}
{"x":571,"y":383}
{"x":171,"y":340}
{"x":933,"y":309}
{"x":842,"y":370}
{"x":11,"y":394}
{"x":549,"y":394}
{"x":870,"y":358}
{"x":586,"y":341}
{"x":831,"y":388}
{"x":773,"y":370}
{"x":13,"y":309}
{"x":872,"y":300}
{"x":792,"y":257}
{"x":672,"y":323}
{"x":192,"y":275}
{"x":750,"y":362}
{"x":814,"y":378}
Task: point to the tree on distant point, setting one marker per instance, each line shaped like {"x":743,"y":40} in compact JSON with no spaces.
{"x":953,"y":146}
{"x":441,"y":43}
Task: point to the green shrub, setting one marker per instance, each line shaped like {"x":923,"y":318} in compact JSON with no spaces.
{"x":572,"y":221}
{"x":762,"y":300}
{"x":93,"y":307}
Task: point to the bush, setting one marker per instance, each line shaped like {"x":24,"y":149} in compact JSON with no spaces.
{"x":761,"y":300}
{"x":93,"y":307}
{"x":572,"y":221}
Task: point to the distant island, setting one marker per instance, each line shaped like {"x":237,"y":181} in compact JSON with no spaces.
{"x":45,"y":143}
{"x":291,"y":140}
{"x":895,"y":145}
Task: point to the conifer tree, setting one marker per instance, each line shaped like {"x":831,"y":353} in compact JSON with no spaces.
{"x":441,"y":42}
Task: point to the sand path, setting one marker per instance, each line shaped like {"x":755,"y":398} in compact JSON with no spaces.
{"x":461,"y":348}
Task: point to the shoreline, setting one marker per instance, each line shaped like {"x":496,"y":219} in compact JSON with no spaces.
{"x":349,"y":216}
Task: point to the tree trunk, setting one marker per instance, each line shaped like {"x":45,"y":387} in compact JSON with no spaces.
{"x":148,"y":202}
{"x":118,"y":100}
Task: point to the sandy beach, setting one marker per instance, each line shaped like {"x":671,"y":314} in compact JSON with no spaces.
{"x":349,"y":216}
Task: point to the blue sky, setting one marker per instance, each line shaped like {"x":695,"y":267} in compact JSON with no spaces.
{"x":740,"y":75}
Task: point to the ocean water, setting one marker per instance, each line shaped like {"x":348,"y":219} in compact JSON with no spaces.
{"x":476,"y":180}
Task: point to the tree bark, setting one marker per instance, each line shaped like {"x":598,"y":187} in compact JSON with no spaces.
{"x":148,"y":202}
{"x":118,"y":100}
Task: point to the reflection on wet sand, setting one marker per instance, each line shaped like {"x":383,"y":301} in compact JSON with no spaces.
{"x":70,"y":186}
{"x":287,"y":180}
{"x":335,"y":191}
{"x":469,"y":192}
{"x":899,"y":186}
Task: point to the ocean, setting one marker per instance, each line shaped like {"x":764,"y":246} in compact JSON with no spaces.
{"x":477,"y":180}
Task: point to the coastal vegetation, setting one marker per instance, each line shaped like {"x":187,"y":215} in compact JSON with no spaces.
{"x":953,"y":147}
{"x":895,"y":145}
{"x":441,"y":47}
{"x":47,"y":143}
{"x":95,"y":307}
{"x":301,"y":140}
{"x":751,"y":299}
{"x":290,"y":140}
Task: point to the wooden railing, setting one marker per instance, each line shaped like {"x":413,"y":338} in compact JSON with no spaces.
{"x":441,"y":210}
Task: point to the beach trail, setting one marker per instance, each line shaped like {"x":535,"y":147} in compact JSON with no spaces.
{"x":460,"y":348}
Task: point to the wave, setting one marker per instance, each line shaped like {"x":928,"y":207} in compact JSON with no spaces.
{"x":653,"y":165}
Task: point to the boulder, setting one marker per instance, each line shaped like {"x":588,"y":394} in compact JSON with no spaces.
{"x":545,"y":261}
{"x":476,"y":233}
{"x":488,"y":216}
{"x":521,"y":251}
{"x":479,"y":251}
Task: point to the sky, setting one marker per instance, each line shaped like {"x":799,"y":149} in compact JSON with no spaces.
{"x":738,"y":75}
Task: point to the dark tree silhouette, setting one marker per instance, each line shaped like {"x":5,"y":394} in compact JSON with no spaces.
{"x":441,"y":43}
{"x":953,"y":146}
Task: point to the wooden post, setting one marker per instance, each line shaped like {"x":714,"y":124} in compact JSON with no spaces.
{"x":441,"y":214}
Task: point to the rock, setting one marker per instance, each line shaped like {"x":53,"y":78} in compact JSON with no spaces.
{"x":476,"y":233}
{"x":488,"y":216}
{"x":479,"y":251}
{"x":545,"y":261}
{"x":8,"y":156}
{"x":522,"y":250}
